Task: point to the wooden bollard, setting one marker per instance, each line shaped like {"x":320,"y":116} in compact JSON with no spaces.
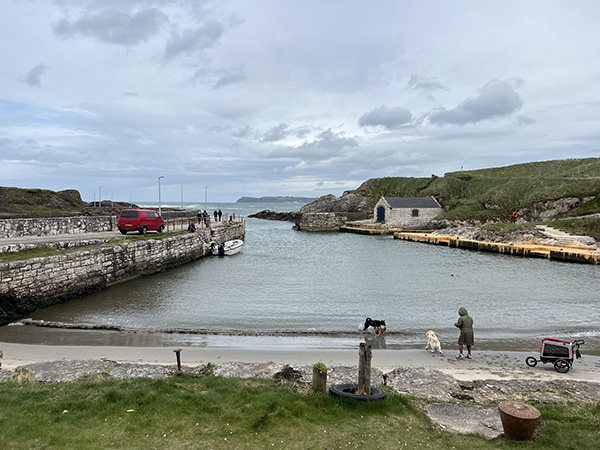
{"x":364,"y":369}
{"x":320,"y":377}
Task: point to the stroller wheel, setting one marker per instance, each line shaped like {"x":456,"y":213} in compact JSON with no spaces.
{"x":561,"y":366}
{"x":531,"y":361}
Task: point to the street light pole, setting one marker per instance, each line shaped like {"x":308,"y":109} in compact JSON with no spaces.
{"x":205,"y":196}
{"x":159,"y":211}
{"x":100,"y":196}
{"x":181,"y":197}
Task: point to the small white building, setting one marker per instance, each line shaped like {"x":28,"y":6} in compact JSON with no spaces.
{"x":406,"y":211}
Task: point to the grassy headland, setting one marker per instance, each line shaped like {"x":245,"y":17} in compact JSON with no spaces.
{"x":496,"y":192}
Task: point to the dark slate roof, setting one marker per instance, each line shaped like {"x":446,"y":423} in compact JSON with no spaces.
{"x":412,"y":202}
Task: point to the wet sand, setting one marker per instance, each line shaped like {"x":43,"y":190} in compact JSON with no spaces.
{"x":484,"y":365}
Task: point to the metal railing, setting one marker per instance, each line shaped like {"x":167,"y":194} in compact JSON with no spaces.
{"x":182,"y":223}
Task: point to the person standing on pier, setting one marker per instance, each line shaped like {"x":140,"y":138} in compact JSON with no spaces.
{"x":220,"y":215}
{"x":465,"y":324}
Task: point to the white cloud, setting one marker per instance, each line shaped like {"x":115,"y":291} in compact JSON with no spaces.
{"x":284,"y":97}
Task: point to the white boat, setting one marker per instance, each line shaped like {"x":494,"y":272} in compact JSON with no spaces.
{"x":227,"y":248}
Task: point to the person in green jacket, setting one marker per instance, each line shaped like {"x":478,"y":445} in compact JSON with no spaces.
{"x":465,"y":324}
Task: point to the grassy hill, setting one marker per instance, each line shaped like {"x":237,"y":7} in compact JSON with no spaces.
{"x":496,"y":192}
{"x":32,"y":203}
{"x":16,"y":202}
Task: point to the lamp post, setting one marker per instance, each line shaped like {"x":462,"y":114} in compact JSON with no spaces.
{"x":100,"y":196}
{"x":159,"y":211}
{"x":205,"y":196}
{"x":182,"y":198}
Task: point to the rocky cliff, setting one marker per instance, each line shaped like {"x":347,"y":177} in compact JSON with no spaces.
{"x":348,"y":202}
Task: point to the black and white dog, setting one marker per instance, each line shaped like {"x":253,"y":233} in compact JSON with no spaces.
{"x":378,"y":326}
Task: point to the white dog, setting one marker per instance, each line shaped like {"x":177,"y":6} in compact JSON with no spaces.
{"x":433,"y":342}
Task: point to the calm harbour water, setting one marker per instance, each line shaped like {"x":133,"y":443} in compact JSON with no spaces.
{"x":296,"y":290}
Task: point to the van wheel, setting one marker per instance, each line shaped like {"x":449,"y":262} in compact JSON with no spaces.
{"x":142,"y":230}
{"x":161,"y":228}
{"x":123,"y":231}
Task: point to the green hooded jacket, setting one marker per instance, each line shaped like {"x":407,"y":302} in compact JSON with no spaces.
{"x":465,"y":323}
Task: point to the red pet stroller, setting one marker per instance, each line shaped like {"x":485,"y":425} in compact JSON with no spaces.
{"x":558,"y":352}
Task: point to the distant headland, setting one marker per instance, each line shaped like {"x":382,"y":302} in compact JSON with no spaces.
{"x":276,"y":199}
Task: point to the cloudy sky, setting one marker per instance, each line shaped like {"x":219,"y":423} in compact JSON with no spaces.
{"x":301,"y":98}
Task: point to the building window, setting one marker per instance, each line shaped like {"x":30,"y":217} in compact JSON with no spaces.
{"x":415,"y":213}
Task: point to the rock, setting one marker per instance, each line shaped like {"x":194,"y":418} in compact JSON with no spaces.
{"x":579,"y":390}
{"x":423,"y":382}
{"x":466,"y":419}
{"x":247,"y":370}
{"x":484,"y":391}
{"x":153,"y":371}
{"x":269,"y":214}
{"x":548,"y":210}
{"x":63,"y":371}
{"x":348,"y":202}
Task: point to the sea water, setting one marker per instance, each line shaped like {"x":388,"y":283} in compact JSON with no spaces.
{"x":289,"y":289}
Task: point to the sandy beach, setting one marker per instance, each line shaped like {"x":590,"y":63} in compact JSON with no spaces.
{"x":484,"y":365}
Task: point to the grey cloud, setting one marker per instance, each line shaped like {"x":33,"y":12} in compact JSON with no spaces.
{"x":241,"y":133}
{"x":276,"y":133}
{"x":34,"y":76}
{"x":390,"y":118}
{"x":115,"y":28}
{"x":495,"y":99}
{"x":326,"y":145}
{"x":194,"y":40}
{"x":233,"y":78}
{"x":331,"y":139}
{"x":426,"y":84}
{"x":301,"y":132}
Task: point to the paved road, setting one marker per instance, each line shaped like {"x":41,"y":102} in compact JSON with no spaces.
{"x":182,"y":226}
{"x":69,"y":237}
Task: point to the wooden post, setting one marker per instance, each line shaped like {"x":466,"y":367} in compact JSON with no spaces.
{"x":320,"y":378}
{"x":364,"y":369}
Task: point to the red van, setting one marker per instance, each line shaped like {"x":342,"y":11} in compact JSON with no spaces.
{"x":140,"y":220}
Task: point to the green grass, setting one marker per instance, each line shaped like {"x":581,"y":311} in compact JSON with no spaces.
{"x":28,"y":254}
{"x":587,"y":227}
{"x":218,"y":413}
{"x":46,"y":251}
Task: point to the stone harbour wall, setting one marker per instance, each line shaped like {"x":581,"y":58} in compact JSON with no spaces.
{"x":229,"y":232}
{"x":50,"y":226}
{"x":28,"y":285}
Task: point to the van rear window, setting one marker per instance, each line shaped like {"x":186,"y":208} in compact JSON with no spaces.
{"x":129,"y":214}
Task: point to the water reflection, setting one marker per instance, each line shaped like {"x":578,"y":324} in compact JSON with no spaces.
{"x":319,"y":287}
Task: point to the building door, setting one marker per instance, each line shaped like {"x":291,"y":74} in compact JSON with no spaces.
{"x":381,"y":214}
